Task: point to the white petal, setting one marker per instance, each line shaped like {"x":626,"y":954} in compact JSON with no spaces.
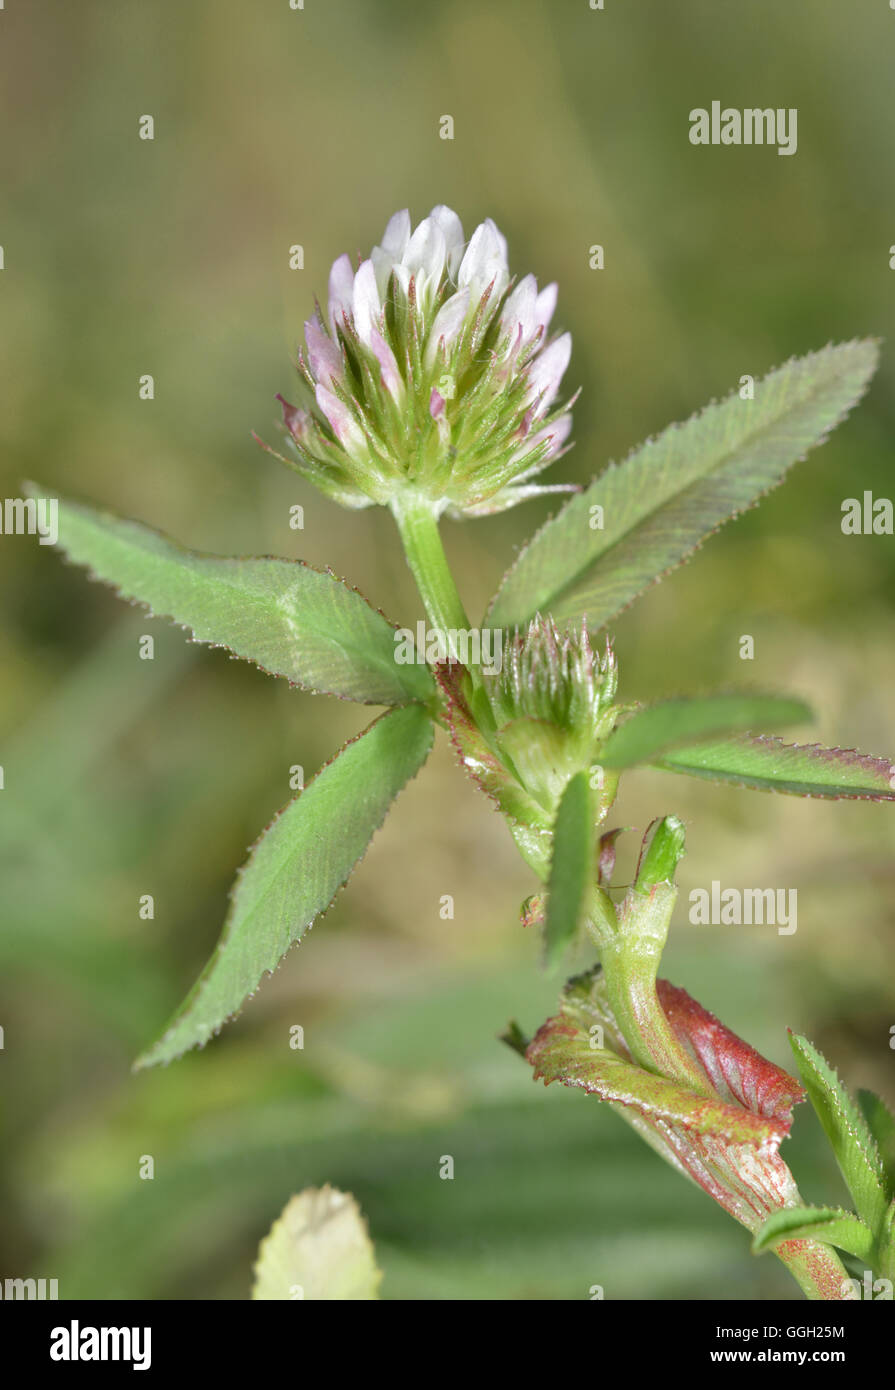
{"x":507,"y":497}
{"x":452,"y":229}
{"x":341,"y":288}
{"x":425,"y":254}
{"x":365,"y":301}
{"x":402,"y":275}
{"x":383,"y":264}
{"x":447,"y":324}
{"x":397,"y":234}
{"x":546,"y":371}
{"x":394,"y":244}
{"x":501,"y":239}
{"x":485,"y":261}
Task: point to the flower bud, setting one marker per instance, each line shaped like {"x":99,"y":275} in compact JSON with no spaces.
{"x":553,"y":707}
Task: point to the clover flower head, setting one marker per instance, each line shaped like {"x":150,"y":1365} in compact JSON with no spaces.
{"x":430,"y":371}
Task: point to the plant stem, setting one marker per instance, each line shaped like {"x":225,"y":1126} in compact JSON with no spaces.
{"x":417,"y":523}
{"x":817,"y":1270}
{"x":630,"y":961}
{"x":418,"y":528}
{"x":631,"y":956}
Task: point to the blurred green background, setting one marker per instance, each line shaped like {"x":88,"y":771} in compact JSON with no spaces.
{"x":125,"y":777}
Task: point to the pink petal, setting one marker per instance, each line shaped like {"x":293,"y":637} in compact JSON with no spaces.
{"x":556,"y":434}
{"x":391,"y":377}
{"x":295,"y":420}
{"x":546,"y":372}
{"x":344,"y":426}
{"x":324,"y":357}
{"x":545,"y":305}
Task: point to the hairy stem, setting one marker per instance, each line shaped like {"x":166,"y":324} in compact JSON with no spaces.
{"x":817,"y":1270}
{"x":418,"y":527}
{"x":417,"y":524}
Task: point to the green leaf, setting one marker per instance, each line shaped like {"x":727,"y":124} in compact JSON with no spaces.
{"x":290,"y":619}
{"x":881,"y":1123}
{"x":318,"y":1248}
{"x":571,"y":868}
{"x":828,"y":1224}
{"x":655,"y":729}
{"x":886,"y":1245}
{"x":769,"y":764}
{"x":855,"y":1149}
{"x":675,"y":490}
{"x":296,"y":868}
